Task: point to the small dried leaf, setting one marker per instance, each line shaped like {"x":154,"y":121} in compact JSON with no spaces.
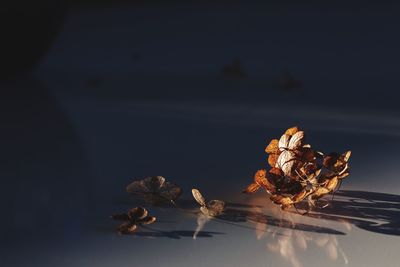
{"x":273,"y":147}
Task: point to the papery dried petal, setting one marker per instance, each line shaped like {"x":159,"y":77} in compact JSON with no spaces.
{"x":251,"y":188}
{"x":291,"y":131}
{"x":272,"y":147}
{"x":284,"y":142}
{"x":215,"y":207}
{"x":296,"y":140}
{"x":285,"y":162}
{"x":137,"y":213}
{"x":198,"y":197}
{"x":300,"y":196}
{"x":126,"y":228}
{"x":272,"y":159}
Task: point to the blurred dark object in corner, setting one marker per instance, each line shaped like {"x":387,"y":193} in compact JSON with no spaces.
{"x":27,"y":31}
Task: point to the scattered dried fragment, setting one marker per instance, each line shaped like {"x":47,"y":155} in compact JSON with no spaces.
{"x":155,"y":190}
{"x":134,"y":218}
{"x":298,"y":172}
{"x":211,"y":208}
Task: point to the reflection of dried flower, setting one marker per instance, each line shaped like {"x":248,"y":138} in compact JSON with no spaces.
{"x":135,"y":217}
{"x":211,"y":208}
{"x":155,"y":190}
{"x":298,"y":172}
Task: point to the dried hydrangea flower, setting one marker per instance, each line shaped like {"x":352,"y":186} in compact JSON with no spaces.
{"x":132,"y":219}
{"x":155,"y":190}
{"x":298,"y":172}
{"x":211,"y":208}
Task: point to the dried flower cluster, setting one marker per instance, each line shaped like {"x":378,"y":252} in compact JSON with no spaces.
{"x":211,"y":208}
{"x":298,"y":172}
{"x":132,"y":219}
{"x":155,"y":190}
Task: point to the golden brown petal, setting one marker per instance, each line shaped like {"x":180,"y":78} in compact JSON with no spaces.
{"x":275,"y":171}
{"x":272,"y":159}
{"x":126,"y":228}
{"x":137,"y":213}
{"x":272,"y":147}
{"x":291,"y":131}
{"x":251,"y":188}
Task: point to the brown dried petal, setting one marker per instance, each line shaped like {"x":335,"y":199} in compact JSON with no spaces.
{"x":273,"y":146}
{"x":332,"y":184}
{"x":285,"y":202}
{"x":260,"y":179}
{"x":286,"y":161}
{"x":276,"y":171}
{"x":300,"y":196}
{"x":272,"y":159}
{"x":127,"y":228}
{"x":296,"y":140}
{"x":147,"y":220}
{"x":215,"y":207}
{"x":346,"y":156}
{"x":307,"y":154}
{"x":330,"y":160}
{"x":137,"y":213}
{"x":251,"y":188}
{"x":291,"y":131}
